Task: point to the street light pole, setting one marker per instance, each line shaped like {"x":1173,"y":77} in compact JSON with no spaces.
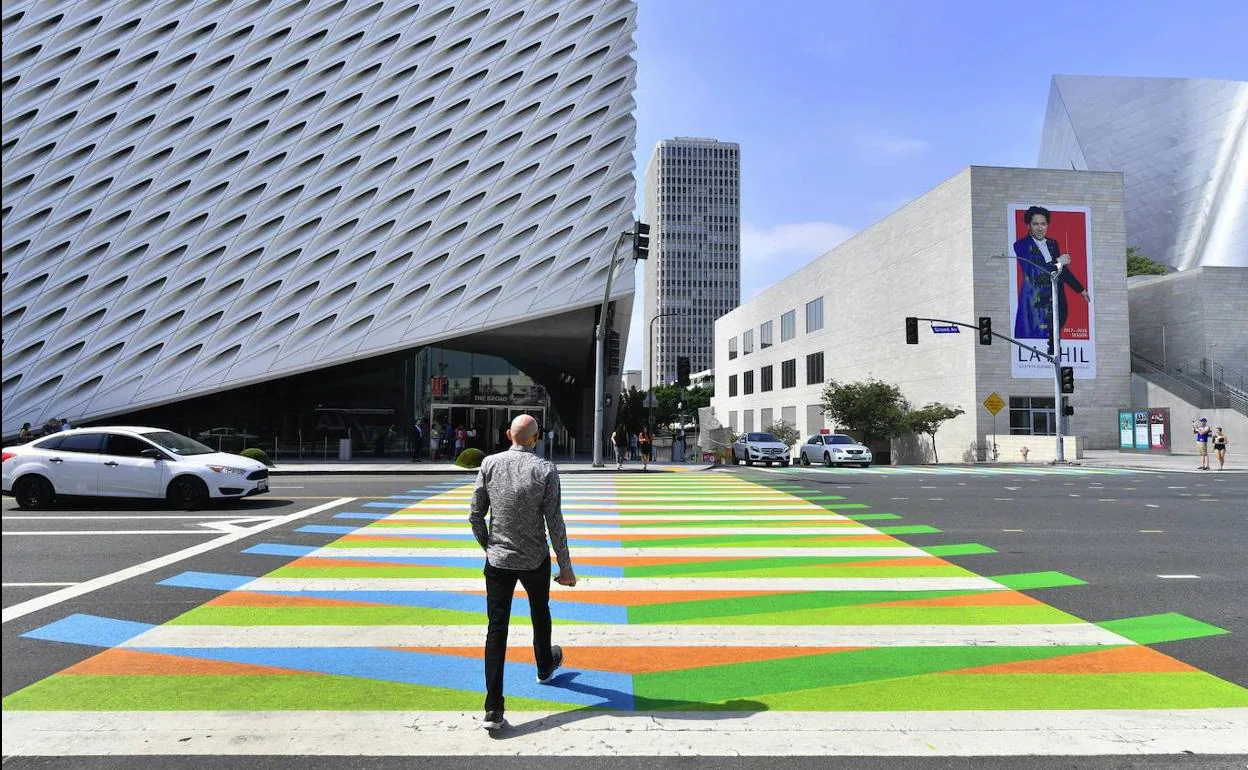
{"x":653,"y":344}
{"x":600,"y":334}
{"x":1056,"y":333}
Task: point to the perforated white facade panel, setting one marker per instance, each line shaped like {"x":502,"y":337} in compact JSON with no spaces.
{"x":200,"y":195}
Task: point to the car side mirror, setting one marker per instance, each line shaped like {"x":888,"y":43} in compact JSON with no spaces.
{"x":152,"y":454}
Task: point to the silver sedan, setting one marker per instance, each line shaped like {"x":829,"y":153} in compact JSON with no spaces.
{"x":834,"y":449}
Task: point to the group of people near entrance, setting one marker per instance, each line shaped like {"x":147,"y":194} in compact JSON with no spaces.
{"x":55,"y":425}
{"x":1206,"y":436}
{"x":630,"y":445}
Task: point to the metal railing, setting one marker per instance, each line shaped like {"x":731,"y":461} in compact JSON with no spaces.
{"x":1201,"y":391}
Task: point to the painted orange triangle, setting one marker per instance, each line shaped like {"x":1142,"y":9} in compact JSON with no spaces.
{"x":1116,"y":660}
{"x":254,"y":599}
{"x":122,"y":662}
{"x":645,"y":660}
{"x":643,"y":598}
{"x":981,"y":599}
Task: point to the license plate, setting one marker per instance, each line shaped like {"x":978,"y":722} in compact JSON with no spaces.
{"x":263,"y":486}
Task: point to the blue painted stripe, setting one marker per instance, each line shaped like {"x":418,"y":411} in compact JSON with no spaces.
{"x":585,"y":688}
{"x":213,"y":581}
{"x":92,"y":630}
{"x":353,"y":515}
{"x":280,"y":549}
{"x":326,"y":529}
{"x":385,"y":505}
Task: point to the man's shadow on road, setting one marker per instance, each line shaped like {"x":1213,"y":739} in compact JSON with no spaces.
{"x":733,"y":709}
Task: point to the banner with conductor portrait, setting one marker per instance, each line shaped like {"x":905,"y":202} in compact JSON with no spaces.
{"x":1041,"y":236}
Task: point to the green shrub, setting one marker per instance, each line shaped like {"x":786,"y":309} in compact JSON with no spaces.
{"x":257,"y":454}
{"x":470,"y":458}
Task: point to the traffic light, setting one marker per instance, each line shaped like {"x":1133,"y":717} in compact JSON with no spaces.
{"x":641,"y":241}
{"x":613,"y":353}
{"x":912,"y":330}
{"x":682,"y":371}
{"x":985,"y":330}
{"x":1068,"y":379}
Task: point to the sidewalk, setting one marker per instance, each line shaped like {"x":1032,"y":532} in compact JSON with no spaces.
{"x":401,"y":467}
{"x":1179,"y":461}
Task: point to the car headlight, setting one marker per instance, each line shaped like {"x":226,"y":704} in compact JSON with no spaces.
{"x":226,"y":469}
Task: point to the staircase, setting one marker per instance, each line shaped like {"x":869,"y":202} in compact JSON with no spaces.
{"x":1224,"y":389}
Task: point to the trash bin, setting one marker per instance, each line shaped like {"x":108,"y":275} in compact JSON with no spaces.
{"x":344,"y":449}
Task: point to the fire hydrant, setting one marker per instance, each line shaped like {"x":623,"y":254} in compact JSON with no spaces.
{"x":1024,"y":452}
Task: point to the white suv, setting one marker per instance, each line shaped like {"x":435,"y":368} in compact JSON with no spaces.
{"x":834,"y":449}
{"x":760,"y":448}
{"x":127,"y":462}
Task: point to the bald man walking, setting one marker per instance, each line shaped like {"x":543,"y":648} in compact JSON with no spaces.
{"x":521,"y":492}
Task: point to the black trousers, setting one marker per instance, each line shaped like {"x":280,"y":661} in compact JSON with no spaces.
{"x":500,"y":588}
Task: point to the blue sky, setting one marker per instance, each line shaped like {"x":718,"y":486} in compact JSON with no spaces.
{"x":846,"y":110}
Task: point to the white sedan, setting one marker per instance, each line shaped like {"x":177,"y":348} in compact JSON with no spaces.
{"x":127,"y":462}
{"x":763,"y":448}
{"x":834,"y":449}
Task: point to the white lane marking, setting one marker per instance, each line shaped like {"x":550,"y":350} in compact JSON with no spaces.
{"x":1179,"y":577}
{"x":1013,"y":489}
{"x":635,"y":584}
{"x":61,"y":533}
{"x":928,"y":487}
{"x":935,"y":498}
{"x":1150,"y":505}
{"x":601,"y":635}
{"x":1004,"y":499}
{"x":129,"y":518}
{"x":628,"y":553}
{"x":1152,"y":531}
{"x":898,"y":498}
{"x":583,"y":531}
{"x":34,"y":585}
{"x":1176,"y":487}
{"x":1011,"y":530}
{"x":1072,"y":494}
{"x":643,"y":518}
{"x":71,"y":592}
{"x":1107,"y":499}
{"x":640,"y":733}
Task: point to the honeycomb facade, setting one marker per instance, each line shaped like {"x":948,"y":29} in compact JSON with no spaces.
{"x":204,"y":195}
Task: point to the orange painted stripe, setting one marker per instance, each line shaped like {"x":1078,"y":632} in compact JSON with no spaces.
{"x":642,"y":598}
{"x":389,"y":539}
{"x":1118,"y":660}
{"x":643,"y":561}
{"x":645,"y":660}
{"x":250,"y":599}
{"x":984,"y":599}
{"x":122,"y":662}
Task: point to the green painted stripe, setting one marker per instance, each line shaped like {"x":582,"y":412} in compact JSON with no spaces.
{"x":749,"y":563}
{"x":405,"y":571}
{"x":708,"y":609}
{"x":814,"y":571}
{"x":915,"y":529}
{"x":871,"y":516}
{"x":903,"y":616}
{"x":1166,"y":627}
{"x":1026,"y":581}
{"x":958,"y":549}
{"x":763,"y":541}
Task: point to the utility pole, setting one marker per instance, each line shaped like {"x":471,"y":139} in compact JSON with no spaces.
{"x":640,"y":235}
{"x":1056,"y":335}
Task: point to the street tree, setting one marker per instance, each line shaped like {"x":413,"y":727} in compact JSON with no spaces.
{"x":871,"y":409}
{"x":928,"y":420}
{"x":633,"y":409}
{"x":783,"y":431}
{"x":1138,"y":264}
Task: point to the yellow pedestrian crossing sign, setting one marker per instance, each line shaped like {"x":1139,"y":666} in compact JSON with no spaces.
{"x":993,"y":403}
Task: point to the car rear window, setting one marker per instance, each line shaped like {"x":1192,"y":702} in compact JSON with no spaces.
{"x":89,"y":443}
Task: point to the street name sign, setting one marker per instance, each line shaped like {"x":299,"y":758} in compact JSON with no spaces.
{"x":945,"y":329}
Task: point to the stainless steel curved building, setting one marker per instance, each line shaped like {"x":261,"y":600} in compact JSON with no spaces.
{"x":1182,"y":146}
{"x":201,"y":195}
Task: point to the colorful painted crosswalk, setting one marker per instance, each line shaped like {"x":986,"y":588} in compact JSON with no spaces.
{"x":699,"y":592}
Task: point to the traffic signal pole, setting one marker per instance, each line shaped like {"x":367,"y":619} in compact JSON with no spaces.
{"x":600,"y":336}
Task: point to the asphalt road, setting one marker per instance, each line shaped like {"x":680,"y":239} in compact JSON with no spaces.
{"x":1117,"y":532}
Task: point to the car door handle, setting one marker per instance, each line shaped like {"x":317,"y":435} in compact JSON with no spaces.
{"x":111,"y":463}
{"x":55,"y":460}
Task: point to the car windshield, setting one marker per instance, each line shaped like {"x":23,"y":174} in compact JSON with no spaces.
{"x":763,"y":437}
{"x":177,"y":443}
{"x":839,"y":440}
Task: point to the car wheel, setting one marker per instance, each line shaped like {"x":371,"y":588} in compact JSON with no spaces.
{"x":864,"y":465}
{"x":805,"y":459}
{"x":749,"y":462}
{"x":784,"y":463}
{"x":187,"y":493}
{"x":33,"y":493}
{"x":827,"y":459}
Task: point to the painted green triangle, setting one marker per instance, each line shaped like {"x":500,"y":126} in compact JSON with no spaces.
{"x":1166,"y":627}
{"x":871,"y":516}
{"x":913,"y":529}
{"x":958,"y":549}
{"x":1026,"y":581}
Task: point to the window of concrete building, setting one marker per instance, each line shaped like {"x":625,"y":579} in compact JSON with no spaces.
{"x":732,"y":421}
{"x":732,"y":385}
{"x":765,"y":379}
{"x":747,"y":420}
{"x":788,"y":415}
{"x":814,"y":418}
{"x":747,"y":383}
{"x":788,"y":326}
{"x":732,"y":348}
{"x":765,"y":418}
{"x":814,"y":368}
{"x":747,"y":342}
{"x":814,"y":315}
{"x":1032,"y":416}
{"x":788,"y":373}
{"x":764,"y":336}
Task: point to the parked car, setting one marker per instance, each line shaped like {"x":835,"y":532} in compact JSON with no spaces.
{"x":760,"y":448}
{"x":834,"y":449}
{"x":127,"y":462}
{"x":223,"y":437}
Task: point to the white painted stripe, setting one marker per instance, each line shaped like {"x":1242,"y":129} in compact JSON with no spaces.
{"x":34,"y":585}
{"x":583,"y":531}
{"x":635,"y":584}
{"x":128,"y":518}
{"x":736,"y":553}
{"x":656,"y":733}
{"x":643,"y":517}
{"x":1180,"y":577}
{"x":601,"y":635}
{"x":72,"y":592}
{"x":60,"y":533}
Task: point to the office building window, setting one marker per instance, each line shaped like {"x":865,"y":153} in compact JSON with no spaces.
{"x":1032,"y":416}
{"x":732,"y":385}
{"x":788,"y":326}
{"x":788,"y":373}
{"x":747,"y":342}
{"x":765,"y":379}
{"x":747,"y":385}
{"x":814,"y":368}
{"x":764,"y":336}
{"x":788,"y":415}
{"x":765,"y":417}
{"x":748,"y":420}
{"x":814,"y":315}
{"x":732,"y":421}
{"x":732,"y":348}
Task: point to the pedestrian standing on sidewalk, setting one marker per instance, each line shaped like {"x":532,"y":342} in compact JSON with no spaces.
{"x":645,"y":441}
{"x":1201,"y":429}
{"x":521,"y":493}
{"x":633,"y":447}
{"x":619,"y":442}
{"x":418,"y":440}
{"x":1219,"y":446}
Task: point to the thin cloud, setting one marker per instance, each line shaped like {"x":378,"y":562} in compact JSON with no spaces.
{"x":769,"y":254}
{"x":886,"y":144}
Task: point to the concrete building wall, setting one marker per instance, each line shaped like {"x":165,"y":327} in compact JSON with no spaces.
{"x":1179,"y":319}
